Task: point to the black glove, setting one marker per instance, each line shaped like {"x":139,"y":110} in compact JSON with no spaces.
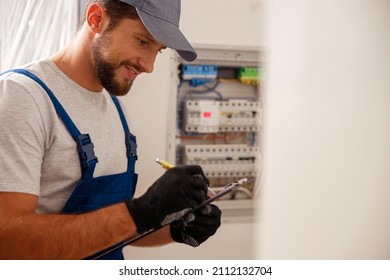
{"x":177,"y":191}
{"x":197,"y":227}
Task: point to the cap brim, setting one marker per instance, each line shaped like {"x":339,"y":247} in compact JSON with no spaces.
{"x":168,"y":35}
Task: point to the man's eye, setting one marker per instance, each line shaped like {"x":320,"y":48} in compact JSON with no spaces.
{"x":142,"y":42}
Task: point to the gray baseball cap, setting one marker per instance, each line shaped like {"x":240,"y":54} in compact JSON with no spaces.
{"x":161,"y":18}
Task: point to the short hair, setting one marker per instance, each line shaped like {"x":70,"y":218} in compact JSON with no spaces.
{"x":116,"y":11}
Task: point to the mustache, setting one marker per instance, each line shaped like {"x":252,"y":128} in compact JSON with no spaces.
{"x":129,"y":64}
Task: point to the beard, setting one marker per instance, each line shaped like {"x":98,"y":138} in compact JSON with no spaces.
{"x":106,"y":70}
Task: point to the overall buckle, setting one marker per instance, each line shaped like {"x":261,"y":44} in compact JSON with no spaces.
{"x":85,"y":148}
{"x":131,"y":145}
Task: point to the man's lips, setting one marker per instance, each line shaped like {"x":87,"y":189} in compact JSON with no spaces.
{"x":131,"y":73}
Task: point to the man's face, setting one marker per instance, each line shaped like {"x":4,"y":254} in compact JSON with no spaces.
{"x":121,"y":54}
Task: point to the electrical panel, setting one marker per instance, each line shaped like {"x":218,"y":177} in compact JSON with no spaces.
{"x":218,"y":116}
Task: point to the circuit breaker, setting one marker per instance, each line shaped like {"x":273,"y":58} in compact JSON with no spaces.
{"x":233,"y":115}
{"x":217,"y":122}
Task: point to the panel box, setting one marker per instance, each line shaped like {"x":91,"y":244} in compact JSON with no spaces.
{"x":217,"y":123}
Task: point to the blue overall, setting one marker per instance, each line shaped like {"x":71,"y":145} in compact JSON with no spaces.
{"x":94,"y":193}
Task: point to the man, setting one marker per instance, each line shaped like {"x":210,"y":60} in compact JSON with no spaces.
{"x":67,"y":155}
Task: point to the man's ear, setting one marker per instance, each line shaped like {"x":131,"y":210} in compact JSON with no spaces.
{"x":96,"y":18}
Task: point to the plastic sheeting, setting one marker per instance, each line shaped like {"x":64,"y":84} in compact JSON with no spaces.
{"x":35,"y":29}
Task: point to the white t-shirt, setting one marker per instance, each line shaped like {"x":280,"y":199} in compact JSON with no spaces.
{"x":37,"y":153}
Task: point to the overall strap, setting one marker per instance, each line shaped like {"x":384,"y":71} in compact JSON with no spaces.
{"x":131,"y":141}
{"x":85,"y":146}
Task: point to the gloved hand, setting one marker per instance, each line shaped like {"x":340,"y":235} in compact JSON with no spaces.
{"x":197,"y":227}
{"x":177,"y":191}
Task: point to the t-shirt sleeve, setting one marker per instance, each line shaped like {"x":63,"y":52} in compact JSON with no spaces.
{"x":22,"y":140}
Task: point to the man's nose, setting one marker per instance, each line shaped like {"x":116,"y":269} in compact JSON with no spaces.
{"x":147,"y":62}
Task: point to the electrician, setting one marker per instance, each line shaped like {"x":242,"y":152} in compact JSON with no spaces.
{"x":67,"y":155}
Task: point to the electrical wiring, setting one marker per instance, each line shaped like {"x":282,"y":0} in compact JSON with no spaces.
{"x":245,"y":191}
{"x":206,"y":91}
{"x":226,"y":136}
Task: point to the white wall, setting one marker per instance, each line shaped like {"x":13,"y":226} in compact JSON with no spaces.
{"x":327,"y":131}
{"x":223,"y":22}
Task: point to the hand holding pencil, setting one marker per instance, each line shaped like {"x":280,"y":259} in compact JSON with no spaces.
{"x":166,"y":165}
